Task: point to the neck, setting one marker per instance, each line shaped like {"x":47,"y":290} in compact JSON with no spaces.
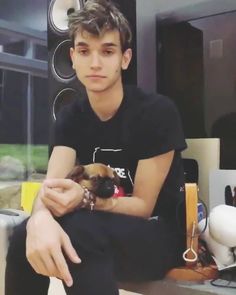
{"x":106,"y":103}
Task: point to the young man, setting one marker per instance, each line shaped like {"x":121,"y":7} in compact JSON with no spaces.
{"x":137,"y":134}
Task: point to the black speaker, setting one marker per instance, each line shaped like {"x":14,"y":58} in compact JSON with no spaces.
{"x":63,"y":82}
{"x":128,"y":8}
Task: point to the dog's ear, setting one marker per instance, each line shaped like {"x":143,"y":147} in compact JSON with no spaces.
{"x":77,"y":173}
{"x":116,"y":178}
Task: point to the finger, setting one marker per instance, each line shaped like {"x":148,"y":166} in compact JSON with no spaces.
{"x":44,"y":265}
{"x":50,"y":266}
{"x":34,"y":265}
{"x":57,"y":209}
{"x":38,"y":265}
{"x":53,"y":195}
{"x":53,"y":207}
{"x":59,"y":183}
{"x":49,"y":203}
{"x":70,"y":250}
{"x":62,"y":267}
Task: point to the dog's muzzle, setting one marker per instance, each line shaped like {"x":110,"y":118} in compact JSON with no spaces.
{"x":105,"y":187}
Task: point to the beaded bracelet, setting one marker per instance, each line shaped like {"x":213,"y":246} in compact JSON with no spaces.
{"x":88,"y":200}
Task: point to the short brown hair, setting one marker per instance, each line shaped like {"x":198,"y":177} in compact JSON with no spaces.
{"x":98,"y":17}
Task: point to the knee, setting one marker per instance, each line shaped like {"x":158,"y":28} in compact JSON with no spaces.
{"x":85,"y":229}
{"x":80,"y":221}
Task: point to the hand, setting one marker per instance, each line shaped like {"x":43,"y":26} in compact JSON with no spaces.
{"x":44,"y":247}
{"x":61,"y":196}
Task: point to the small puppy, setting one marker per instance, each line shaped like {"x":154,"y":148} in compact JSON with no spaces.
{"x":98,"y":178}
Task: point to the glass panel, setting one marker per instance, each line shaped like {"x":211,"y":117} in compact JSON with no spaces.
{"x":41,"y":52}
{"x":14,"y":101}
{"x":23,"y":133}
{"x":1,"y":91}
{"x":13,"y":126}
{"x":40,"y":124}
{"x":12,"y":44}
{"x":17,"y":45}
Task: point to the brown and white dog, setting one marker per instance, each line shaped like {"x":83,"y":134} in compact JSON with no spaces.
{"x":98,"y":178}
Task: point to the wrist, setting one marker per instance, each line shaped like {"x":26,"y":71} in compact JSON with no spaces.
{"x":88,"y":199}
{"x":42,"y":209}
{"x":106,"y":204}
{"x":91,"y":201}
{"x":37,"y":218}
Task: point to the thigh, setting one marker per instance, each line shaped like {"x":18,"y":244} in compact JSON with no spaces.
{"x":141,"y":249}
{"x":20,"y":278}
{"x":86,"y":231}
{"x":144,"y":249}
{"x":95,"y":274}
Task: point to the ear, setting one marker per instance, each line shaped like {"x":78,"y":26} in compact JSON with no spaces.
{"x":72,"y":53}
{"x":77,"y":173}
{"x":116,"y":178}
{"x":127,"y":55}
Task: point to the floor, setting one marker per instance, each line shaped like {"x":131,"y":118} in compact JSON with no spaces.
{"x":165,"y":287}
{"x":56,"y":288}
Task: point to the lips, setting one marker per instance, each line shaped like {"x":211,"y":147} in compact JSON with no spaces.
{"x":95,"y":76}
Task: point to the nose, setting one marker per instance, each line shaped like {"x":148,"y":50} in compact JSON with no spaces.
{"x":95,"y":61}
{"x":105,"y":188}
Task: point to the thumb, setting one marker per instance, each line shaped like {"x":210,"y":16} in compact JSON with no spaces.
{"x":69,"y":249}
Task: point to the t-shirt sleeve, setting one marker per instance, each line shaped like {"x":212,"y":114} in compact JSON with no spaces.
{"x":64,"y":129}
{"x":160,"y":129}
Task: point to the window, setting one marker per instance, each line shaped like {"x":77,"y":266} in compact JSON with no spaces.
{"x":24,"y":104}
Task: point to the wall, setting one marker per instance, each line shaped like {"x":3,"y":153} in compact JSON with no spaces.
{"x":220,"y":66}
{"x":146,"y":28}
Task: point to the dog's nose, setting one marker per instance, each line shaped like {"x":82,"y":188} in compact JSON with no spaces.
{"x":105,"y":188}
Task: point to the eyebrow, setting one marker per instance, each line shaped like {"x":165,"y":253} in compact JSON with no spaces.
{"x":107,"y":44}
{"x":81,"y":44}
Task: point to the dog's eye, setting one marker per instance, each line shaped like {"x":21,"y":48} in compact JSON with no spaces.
{"x":94,"y":178}
{"x":86,"y":176}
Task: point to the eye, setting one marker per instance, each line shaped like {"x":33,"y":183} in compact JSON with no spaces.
{"x":83,"y":51}
{"x":94,"y":177}
{"x":107,"y":52}
{"x":86,"y":176}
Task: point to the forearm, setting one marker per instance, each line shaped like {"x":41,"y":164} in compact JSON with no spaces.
{"x":134,"y":206}
{"x":149,"y":178}
{"x":39,"y":214}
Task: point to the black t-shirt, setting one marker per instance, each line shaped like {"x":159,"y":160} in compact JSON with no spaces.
{"x":145,"y":125}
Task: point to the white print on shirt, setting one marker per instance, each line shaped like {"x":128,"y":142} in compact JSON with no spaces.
{"x":111,"y":159}
{"x":103,"y":150}
{"x":120,"y":172}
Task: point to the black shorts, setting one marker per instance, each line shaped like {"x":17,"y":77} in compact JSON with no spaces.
{"x":112,"y":247}
{"x":141,"y":249}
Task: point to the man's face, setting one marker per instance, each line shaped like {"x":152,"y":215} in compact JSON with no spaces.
{"x":98,"y":61}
